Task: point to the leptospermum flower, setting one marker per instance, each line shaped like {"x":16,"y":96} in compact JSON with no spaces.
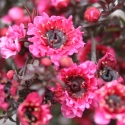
{"x":9,"y":45}
{"x":32,"y":112}
{"x":16,"y":32}
{"x":78,"y":93}
{"x":59,"y":4}
{"x":10,"y":88}
{"x":105,"y":70}
{"x":8,"y":92}
{"x":54,"y":36}
{"x":111,"y":99}
{"x":16,"y":13}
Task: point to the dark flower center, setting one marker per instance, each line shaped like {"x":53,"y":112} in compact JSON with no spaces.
{"x":7,"y":89}
{"x":29,"y":115}
{"x":55,"y":38}
{"x":49,"y":97}
{"x":108,"y":74}
{"x":115,"y":102}
{"x":76,"y":86}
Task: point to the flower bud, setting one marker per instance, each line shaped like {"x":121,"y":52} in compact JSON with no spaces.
{"x":92,"y":14}
{"x":46,"y":61}
{"x":66,"y":61}
{"x":16,"y":13}
{"x":59,"y":4}
{"x":10,"y":74}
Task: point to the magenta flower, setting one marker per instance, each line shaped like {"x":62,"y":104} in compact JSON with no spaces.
{"x":78,"y":94}
{"x":60,"y":4}
{"x":92,"y":14}
{"x":44,"y":6}
{"x":10,"y":88}
{"x":16,"y":13}
{"x":105,"y":70}
{"x":8,"y":47}
{"x":31,"y":111}
{"x":16,"y":31}
{"x":111,"y":99}
{"x":107,"y":60}
{"x":54,"y":36}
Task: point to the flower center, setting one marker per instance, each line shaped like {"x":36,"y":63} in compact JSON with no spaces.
{"x":49,"y":97}
{"x":55,"y":38}
{"x":115,"y":102}
{"x":29,"y":115}
{"x":7,"y":89}
{"x":108,"y":74}
{"x":76,"y":86}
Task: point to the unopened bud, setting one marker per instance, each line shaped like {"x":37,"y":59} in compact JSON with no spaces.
{"x":46,"y":61}
{"x":59,"y":4}
{"x":92,"y":14}
{"x":16,"y":13}
{"x":65,"y":61}
{"x":10,"y":74}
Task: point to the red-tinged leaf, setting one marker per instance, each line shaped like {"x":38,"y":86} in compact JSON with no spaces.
{"x":103,"y":4}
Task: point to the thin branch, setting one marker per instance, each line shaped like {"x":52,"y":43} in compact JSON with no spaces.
{"x":25,"y":66}
{"x":93,"y":48}
{"x":30,"y":15}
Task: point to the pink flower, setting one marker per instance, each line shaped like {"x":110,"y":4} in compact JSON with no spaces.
{"x":60,"y":3}
{"x":10,"y":74}
{"x":44,"y":6}
{"x":9,"y":47}
{"x":78,"y":93}
{"x":16,"y":32}
{"x":10,"y":88}
{"x":16,"y":13}
{"x":107,"y":60}
{"x":3,"y":104}
{"x":92,"y":14}
{"x":105,"y":70}
{"x":54,"y":36}
{"x":31,"y":111}
{"x":111,"y":99}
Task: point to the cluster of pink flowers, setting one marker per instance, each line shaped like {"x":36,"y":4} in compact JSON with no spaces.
{"x":32,"y":112}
